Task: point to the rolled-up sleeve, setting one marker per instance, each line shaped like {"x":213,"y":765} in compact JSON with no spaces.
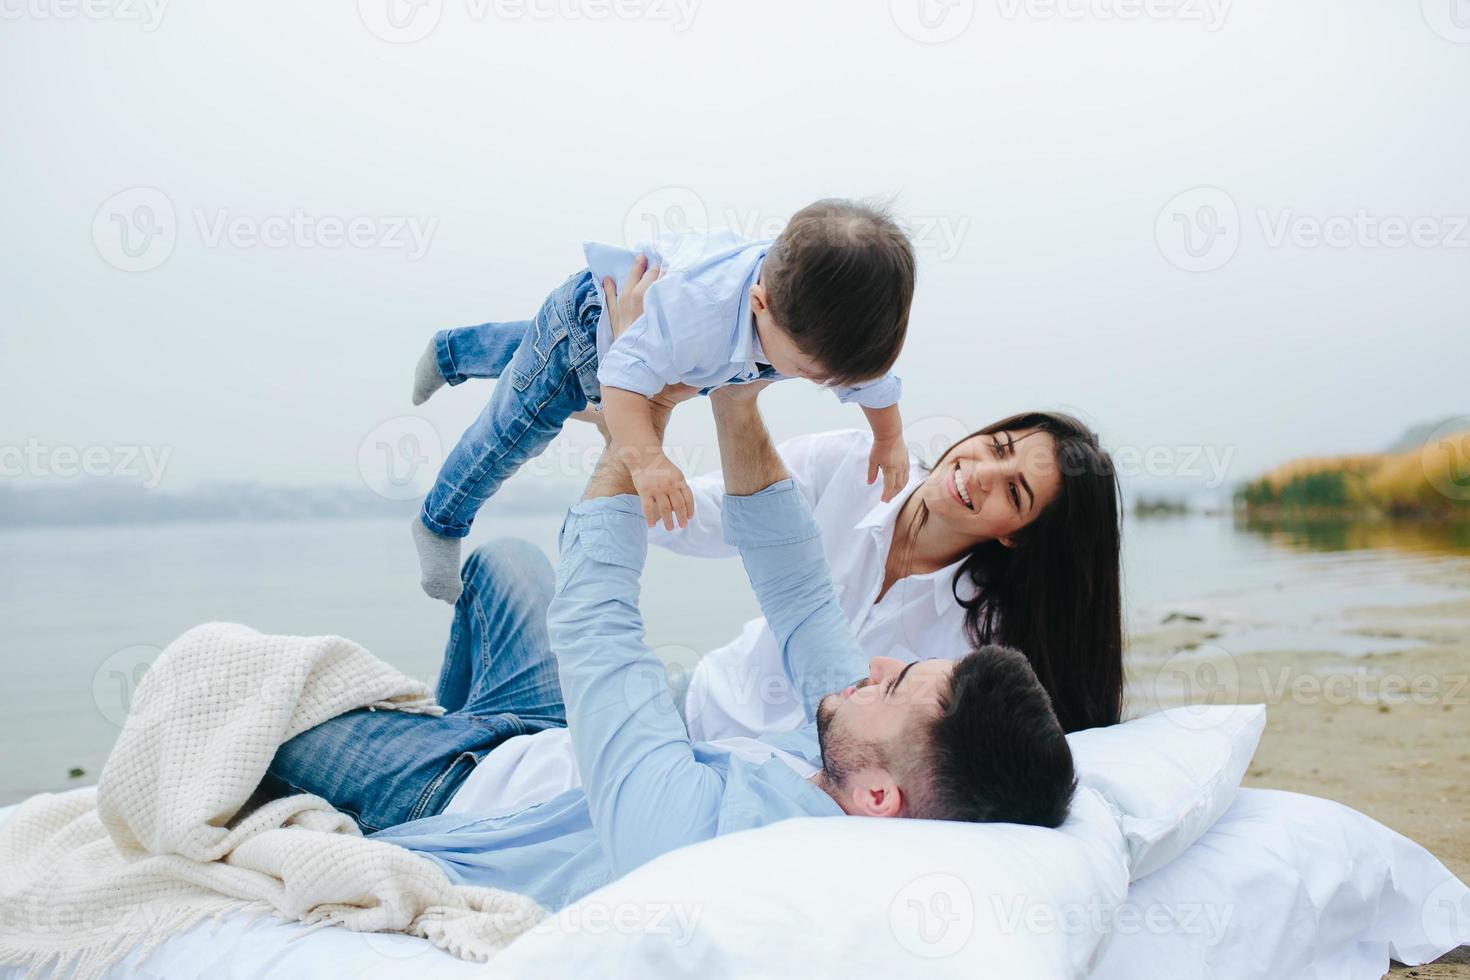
{"x":640,"y":360}
{"x":872,"y":394}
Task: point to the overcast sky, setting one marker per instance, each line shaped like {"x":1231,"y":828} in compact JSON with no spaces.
{"x":1230,"y":233}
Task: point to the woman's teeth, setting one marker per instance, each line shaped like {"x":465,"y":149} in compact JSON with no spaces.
{"x":959,"y":488}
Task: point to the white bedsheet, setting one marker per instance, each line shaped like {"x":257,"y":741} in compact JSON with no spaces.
{"x":1284,"y":886}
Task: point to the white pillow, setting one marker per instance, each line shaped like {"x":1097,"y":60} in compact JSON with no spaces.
{"x":1170,"y":774}
{"x":1288,"y":887}
{"x":816,"y":897}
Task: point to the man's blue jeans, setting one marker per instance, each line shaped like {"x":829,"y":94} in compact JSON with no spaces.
{"x":498,"y":679}
{"x":548,"y":370}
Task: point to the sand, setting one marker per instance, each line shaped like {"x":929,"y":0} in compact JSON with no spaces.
{"x":1387,"y":734}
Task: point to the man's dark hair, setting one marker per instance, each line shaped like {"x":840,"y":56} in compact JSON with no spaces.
{"x":840,"y":280}
{"x":996,"y":753}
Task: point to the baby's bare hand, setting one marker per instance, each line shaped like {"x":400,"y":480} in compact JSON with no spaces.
{"x":891,"y":457}
{"x":664,"y":493}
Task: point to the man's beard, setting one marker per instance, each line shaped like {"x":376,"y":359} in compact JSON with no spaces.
{"x":842,"y":754}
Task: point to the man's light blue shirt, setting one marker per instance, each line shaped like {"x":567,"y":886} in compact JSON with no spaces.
{"x":697,"y":327}
{"x":647,"y":788}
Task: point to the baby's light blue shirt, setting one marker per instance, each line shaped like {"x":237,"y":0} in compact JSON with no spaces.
{"x":697,"y":327}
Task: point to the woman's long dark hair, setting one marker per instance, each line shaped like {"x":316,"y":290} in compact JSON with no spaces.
{"x":1056,"y":595}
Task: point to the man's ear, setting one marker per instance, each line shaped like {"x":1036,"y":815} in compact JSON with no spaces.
{"x":1007,"y":542}
{"x":875,"y":794}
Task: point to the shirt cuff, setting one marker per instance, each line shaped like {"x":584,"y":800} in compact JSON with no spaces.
{"x":876,"y":394}
{"x":777,"y":515}
{"x":610,"y":530}
{"x":618,"y":369}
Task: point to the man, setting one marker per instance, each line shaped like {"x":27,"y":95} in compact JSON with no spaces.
{"x":974,"y":739}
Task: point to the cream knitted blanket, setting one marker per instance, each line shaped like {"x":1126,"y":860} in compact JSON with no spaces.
{"x":166,"y":839}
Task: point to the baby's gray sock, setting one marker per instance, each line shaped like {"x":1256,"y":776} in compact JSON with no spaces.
{"x":438,"y":563}
{"x":426,"y":376}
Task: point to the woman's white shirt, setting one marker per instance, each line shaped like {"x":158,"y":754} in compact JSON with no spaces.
{"x":741,"y":689}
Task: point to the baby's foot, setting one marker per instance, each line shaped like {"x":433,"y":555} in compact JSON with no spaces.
{"x":438,"y":563}
{"x":427,"y":380}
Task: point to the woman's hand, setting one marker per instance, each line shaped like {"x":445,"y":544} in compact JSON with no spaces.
{"x":625,"y":307}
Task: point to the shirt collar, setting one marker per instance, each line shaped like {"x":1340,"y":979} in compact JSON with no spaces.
{"x":747,"y":342}
{"x":880,"y":523}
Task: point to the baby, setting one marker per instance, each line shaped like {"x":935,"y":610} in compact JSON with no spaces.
{"x":827,"y":301}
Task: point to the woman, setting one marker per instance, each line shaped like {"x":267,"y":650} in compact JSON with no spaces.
{"x":1012,"y":537}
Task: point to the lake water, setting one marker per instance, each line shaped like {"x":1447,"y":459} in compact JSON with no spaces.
{"x":82,"y":610}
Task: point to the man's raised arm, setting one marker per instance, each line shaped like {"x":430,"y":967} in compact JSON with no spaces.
{"x":646,"y":791}
{"x":769,"y":520}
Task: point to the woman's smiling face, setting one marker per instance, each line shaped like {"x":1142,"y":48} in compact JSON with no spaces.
{"x":993,"y":484}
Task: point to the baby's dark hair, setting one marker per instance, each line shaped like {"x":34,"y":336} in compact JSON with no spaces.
{"x":840,"y":280}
